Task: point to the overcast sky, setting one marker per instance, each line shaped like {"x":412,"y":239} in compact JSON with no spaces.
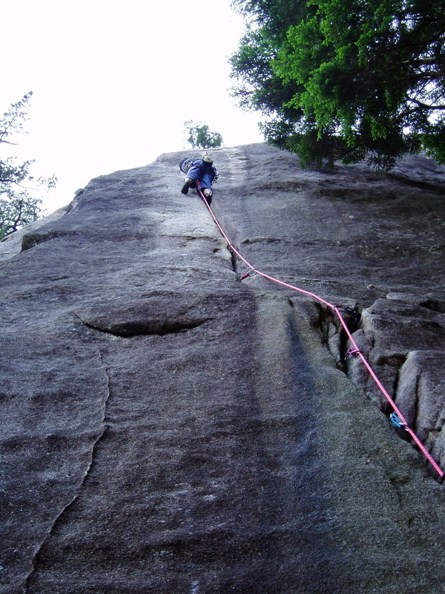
{"x":114,"y":81}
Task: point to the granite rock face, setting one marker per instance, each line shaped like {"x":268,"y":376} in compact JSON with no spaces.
{"x":168,"y":428}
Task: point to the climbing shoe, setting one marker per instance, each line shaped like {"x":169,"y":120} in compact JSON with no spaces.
{"x":186,"y":186}
{"x":208,"y":195}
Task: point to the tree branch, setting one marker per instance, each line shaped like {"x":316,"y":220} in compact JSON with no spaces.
{"x":424,"y":105}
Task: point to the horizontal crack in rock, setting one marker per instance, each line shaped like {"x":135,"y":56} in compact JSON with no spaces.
{"x":129,"y":329}
{"x":30,"y":240}
{"x":434,"y":305}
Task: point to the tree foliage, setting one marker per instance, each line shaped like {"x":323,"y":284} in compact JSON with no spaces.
{"x":346,"y":78}
{"x":200,"y":136}
{"x":19,"y":205}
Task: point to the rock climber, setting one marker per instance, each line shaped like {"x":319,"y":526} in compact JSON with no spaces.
{"x":200,"y":173}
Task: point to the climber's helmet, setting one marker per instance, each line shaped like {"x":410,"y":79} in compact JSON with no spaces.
{"x":207,"y":159}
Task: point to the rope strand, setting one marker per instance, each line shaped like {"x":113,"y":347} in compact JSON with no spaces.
{"x":335,"y":309}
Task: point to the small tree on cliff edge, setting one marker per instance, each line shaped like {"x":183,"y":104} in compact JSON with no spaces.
{"x":18,"y":203}
{"x":200,"y":136}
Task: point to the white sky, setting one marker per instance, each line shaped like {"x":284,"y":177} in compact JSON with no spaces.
{"x":115,"y":80}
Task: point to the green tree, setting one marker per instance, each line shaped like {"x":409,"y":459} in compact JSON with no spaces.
{"x":364,"y":78}
{"x":200,"y":136}
{"x":257,"y":86}
{"x":19,"y":205}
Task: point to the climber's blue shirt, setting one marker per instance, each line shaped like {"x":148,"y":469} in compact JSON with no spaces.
{"x":199,"y":170}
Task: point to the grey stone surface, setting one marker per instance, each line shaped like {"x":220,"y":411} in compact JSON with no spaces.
{"x":167,"y":428}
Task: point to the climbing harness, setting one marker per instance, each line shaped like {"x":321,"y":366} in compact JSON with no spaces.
{"x":354,"y":351}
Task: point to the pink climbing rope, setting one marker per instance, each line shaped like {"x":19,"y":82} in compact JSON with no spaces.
{"x":334,"y":308}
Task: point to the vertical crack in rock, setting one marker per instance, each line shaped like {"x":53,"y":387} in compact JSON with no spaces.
{"x":416,"y":404}
{"x":337,"y":341}
{"x":419,"y":397}
{"x":87,"y":473}
{"x":392,"y":363}
{"x":407,"y":393}
{"x":389,"y":366}
{"x":233,"y":260}
{"x":398,"y":382}
{"x":333,"y":334}
{"x":399,"y":359}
